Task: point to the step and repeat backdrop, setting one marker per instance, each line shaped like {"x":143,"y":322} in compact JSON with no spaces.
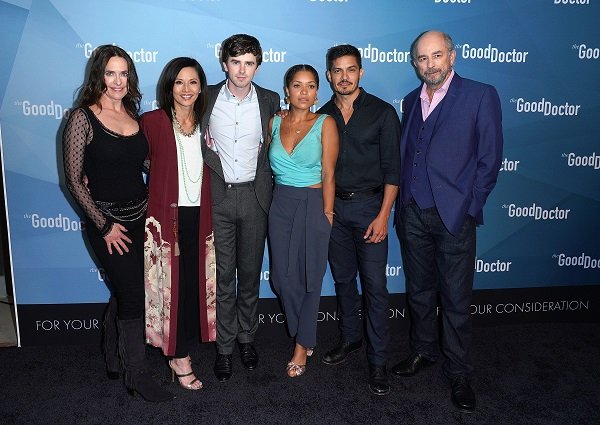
{"x":538,"y":255}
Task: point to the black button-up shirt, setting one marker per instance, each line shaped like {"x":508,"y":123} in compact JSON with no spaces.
{"x":369,"y":153}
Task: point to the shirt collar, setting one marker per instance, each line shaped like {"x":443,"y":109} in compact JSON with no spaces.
{"x":442,"y":90}
{"x":230,"y":96}
{"x":359,"y":99}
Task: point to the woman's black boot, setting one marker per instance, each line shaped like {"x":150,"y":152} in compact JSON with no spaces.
{"x":110,"y":341}
{"x":133,"y":353}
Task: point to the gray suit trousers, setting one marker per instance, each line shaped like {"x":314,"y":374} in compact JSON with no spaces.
{"x":240,"y":228}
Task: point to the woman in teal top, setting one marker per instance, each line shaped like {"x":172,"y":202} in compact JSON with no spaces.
{"x":303,"y":151}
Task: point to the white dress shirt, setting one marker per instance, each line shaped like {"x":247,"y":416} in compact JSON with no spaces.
{"x":236,"y":133}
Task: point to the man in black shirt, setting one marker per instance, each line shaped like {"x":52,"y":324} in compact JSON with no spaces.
{"x":367,"y":178}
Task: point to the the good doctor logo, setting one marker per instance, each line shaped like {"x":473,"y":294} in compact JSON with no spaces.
{"x":152,"y":104}
{"x":574,"y":160}
{"x":375,"y":54}
{"x":509,"y":165}
{"x":491,"y":53}
{"x":45,"y":109}
{"x":100,"y":274}
{"x":270,"y":55}
{"x":582,"y":260}
{"x":60,"y":222}
{"x":571,"y":2}
{"x":138,"y":56}
{"x":536,"y":212}
{"x":585,"y":52}
{"x":453,"y":1}
{"x":399,"y":102}
{"x":545,"y":107}
{"x":497,"y":266}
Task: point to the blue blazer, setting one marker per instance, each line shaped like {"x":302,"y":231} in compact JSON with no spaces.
{"x":465,"y":151}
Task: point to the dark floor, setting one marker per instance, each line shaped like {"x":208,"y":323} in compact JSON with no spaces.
{"x":525,"y":374}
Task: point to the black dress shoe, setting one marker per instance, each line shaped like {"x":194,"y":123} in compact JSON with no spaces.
{"x":463,"y":396}
{"x":378,"y":380}
{"x":410,"y":366}
{"x":339,"y":353}
{"x":249,"y":356}
{"x":223,"y":367}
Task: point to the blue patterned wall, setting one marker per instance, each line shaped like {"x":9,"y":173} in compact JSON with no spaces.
{"x":541,"y":222}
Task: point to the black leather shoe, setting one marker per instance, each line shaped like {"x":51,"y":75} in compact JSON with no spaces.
{"x":463,"y":396}
{"x":339,"y":353}
{"x":249,"y":356}
{"x":410,"y":366}
{"x":223,"y":367}
{"x":378,"y":380}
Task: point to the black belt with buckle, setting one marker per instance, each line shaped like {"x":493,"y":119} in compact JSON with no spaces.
{"x":360,"y":194}
{"x":239,"y":185}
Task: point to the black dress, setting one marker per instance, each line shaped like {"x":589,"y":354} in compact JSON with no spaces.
{"x":115,"y":192}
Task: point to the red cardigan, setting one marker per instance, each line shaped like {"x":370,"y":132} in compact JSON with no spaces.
{"x":161,"y":261}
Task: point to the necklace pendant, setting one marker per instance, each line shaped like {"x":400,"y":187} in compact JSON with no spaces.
{"x":297,"y":131}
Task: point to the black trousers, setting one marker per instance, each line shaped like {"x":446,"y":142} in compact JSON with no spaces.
{"x":125,"y":272}
{"x":188,"y":307}
{"x":433,"y":260}
{"x":350,"y":255}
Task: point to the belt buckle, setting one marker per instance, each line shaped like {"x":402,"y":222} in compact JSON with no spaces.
{"x":345,"y":196}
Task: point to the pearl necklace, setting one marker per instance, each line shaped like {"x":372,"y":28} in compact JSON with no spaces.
{"x":179,"y":128}
{"x":184,"y":172}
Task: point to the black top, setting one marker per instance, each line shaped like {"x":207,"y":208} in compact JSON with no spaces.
{"x":112,"y":162}
{"x":369,"y":144}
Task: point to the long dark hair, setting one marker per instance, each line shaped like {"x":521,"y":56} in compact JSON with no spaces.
{"x":94,"y":86}
{"x":164,"y":91}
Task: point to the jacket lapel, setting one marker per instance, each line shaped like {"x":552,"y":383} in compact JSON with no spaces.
{"x":264,"y":113}
{"x":448,"y":104}
{"x":211,"y":158}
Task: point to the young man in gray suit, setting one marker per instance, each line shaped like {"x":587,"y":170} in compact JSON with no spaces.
{"x":235,"y":149}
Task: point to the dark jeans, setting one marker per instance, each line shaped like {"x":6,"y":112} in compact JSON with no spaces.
{"x":433,"y":260}
{"x":349,"y":254}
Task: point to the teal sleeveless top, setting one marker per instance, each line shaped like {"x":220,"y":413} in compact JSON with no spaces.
{"x":302,"y":167}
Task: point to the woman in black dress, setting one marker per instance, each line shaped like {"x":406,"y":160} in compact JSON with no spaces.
{"x":103,"y":145}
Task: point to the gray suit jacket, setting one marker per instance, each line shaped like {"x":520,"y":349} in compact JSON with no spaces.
{"x":268,"y":103}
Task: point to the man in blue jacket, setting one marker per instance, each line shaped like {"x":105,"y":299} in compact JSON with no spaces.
{"x":451,"y":149}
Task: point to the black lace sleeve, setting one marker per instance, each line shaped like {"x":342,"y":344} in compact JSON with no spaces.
{"x":77,"y":135}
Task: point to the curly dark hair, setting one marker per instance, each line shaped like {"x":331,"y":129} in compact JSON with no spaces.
{"x":93,"y":87}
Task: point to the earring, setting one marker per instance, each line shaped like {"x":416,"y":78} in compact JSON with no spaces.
{"x":286,"y":100}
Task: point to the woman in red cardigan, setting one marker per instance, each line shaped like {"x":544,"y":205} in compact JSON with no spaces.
{"x":179,"y":254}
